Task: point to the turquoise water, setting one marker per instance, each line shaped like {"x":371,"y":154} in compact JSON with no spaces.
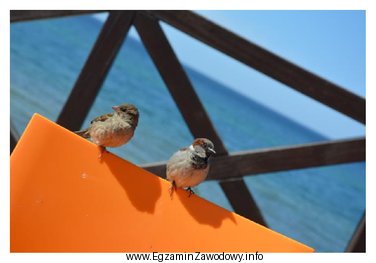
{"x":317,"y":206}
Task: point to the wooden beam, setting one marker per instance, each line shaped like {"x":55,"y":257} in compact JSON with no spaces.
{"x":95,"y":69}
{"x":358,"y":240}
{"x":288,"y":158}
{"x":268,"y":160}
{"x":158,"y":168}
{"x":266,"y":62}
{"x":236,"y":192}
{"x":242,"y":200}
{"x":14,"y":136}
{"x":13,"y":142}
{"x":177,"y":81}
{"x":26,"y":15}
{"x":188,"y":102}
{"x":231,"y":168}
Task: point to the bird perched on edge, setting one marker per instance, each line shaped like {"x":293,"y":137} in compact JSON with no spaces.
{"x":189,"y":166}
{"x":112,"y":129}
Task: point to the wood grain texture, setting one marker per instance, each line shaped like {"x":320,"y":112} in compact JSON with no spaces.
{"x":26,"y":15}
{"x":242,"y":200}
{"x":13,"y":142}
{"x":228,"y":168}
{"x":95,"y":69}
{"x":190,"y":106}
{"x":177,"y":81}
{"x":358,"y":240}
{"x":14,"y":136}
{"x":280,"y":159}
{"x":266,"y":62}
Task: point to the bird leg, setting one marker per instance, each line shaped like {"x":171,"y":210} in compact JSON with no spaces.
{"x":172,"y":188}
{"x":102,"y":150}
{"x":189,"y":189}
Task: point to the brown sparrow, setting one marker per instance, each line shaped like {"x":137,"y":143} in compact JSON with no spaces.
{"x":189,"y":166}
{"x":112,"y":129}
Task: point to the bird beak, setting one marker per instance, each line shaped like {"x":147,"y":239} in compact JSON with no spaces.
{"x":212,"y":150}
{"x":115,"y":108}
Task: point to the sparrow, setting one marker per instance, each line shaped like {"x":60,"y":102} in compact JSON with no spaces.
{"x":112,"y":129}
{"x":189,"y":166}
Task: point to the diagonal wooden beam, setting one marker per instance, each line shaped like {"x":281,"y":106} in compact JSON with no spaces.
{"x":237,"y":192}
{"x":13,"y":142}
{"x":230,"y":169}
{"x":177,"y":81}
{"x":280,"y":159}
{"x":266,"y":62}
{"x":358,"y":240}
{"x":157,"y":168}
{"x":26,"y":15}
{"x":95,"y":69}
{"x":14,"y":136}
{"x":189,"y":104}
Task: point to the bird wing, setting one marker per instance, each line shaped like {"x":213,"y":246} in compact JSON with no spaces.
{"x":102,"y":118}
{"x":83,"y":133}
{"x":176,"y":161}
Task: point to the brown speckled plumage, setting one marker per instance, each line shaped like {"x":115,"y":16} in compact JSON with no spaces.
{"x":113,"y":129}
{"x":189,"y":166}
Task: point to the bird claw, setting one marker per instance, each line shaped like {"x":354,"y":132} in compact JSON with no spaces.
{"x":102,"y":150}
{"x":191,"y":192}
{"x":172,"y":188}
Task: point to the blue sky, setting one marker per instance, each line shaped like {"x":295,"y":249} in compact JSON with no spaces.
{"x":328,"y":43}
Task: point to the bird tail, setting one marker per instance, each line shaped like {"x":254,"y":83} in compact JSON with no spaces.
{"x":83,"y":133}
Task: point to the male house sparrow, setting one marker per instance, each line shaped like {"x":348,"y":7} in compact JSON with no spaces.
{"x":112,"y":129}
{"x":189,"y":166}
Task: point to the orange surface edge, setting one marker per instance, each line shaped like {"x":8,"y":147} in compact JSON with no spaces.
{"x":65,"y":199}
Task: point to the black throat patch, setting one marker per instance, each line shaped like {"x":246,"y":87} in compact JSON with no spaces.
{"x":199,"y":162}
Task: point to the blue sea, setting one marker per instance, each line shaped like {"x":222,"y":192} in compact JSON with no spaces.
{"x":317,"y":206}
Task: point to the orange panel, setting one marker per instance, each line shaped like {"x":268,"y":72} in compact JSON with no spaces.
{"x":64,"y":199}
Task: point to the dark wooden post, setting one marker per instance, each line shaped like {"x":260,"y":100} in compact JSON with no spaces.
{"x":358,"y":240}
{"x":95,"y":69}
{"x":190,"y":106}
